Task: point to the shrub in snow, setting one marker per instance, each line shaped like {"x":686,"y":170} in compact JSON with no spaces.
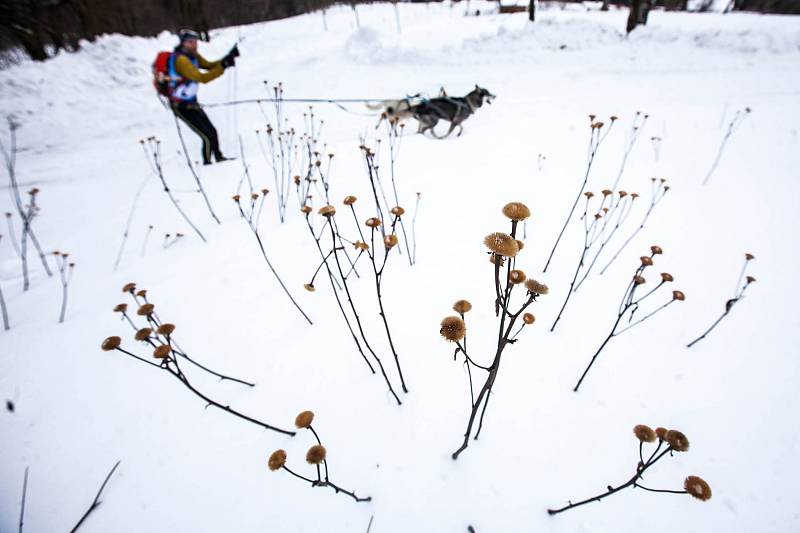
{"x":503,"y":250}
{"x":671,"y":441}
{"x":738,"y":295}
{"x":317,"y":456}
{"x":630,"y":303}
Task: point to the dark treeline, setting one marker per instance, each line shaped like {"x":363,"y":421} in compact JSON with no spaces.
{"x":43,"y":27}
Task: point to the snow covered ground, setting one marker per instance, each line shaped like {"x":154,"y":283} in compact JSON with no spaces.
{"x":186,"y":469}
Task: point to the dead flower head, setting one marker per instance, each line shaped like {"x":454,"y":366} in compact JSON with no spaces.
{"x":750,"y":279}
{"x":520,"y":245}
{"x":697,"y":488}
{"x":145,"y":310}
{"x":462,"y":307}
{"x":309,"y":287}
{"x":304,"y":419}
{"x":535,"y":287}
{"x":390,"y":241}
{"x":121,"y":308}
{"x":639,"y":280}
{"x":165,"y":329}
{"x":644,"y":433}
{"x":646,"y":260}
{"x":306,"y":209}
{"x":277,"y":460}
{"x":661,"y":433}
{"x":501,"y":244}
{"x":373,"y":222}
{"x":516,"y":211}
{"x":677,"y":440}
{"x":666,"y":276}
{"x":129,"y":287}
{"x":678,"y":295}
{"x":349,"y":200}
{"x":143,"y":334}
{"x":453,"y":328}
{"x":316,"y":454}
{"x":656,"y":250}
{"x":142,"y":293}
{"x":398,"y":211}
{"x":516,"y":276}
{"x":749,"y":256}
{"x":327,"y":211}
{"x":361,"y":246}
{"x":162,"y":351}
{"x":111,"y":343}
{"x":528,"y":318}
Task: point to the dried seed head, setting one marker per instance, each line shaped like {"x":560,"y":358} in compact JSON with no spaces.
{"x":634,"y":195}
{"x":145,"y":310}
{"x":666,"y":276}
{"x":644,"y":433}
{"x":327,"y":211}
{"x":613,"y":118}
{"x":453,"y":328}
{"x":306,"y":209}
{"x":623,"y":194}
{"x":111,"y":343}
{"x":750,"y":279}
{"x":316,"y":454}
{"x":520,"y":245}
{"x":678,"y":295}
{"x":588,"y":194}
{"x":677,"y":440}
{"x":277,"y":460}
{"x":361,"y":246}
{"x":121,"y":308}
{"x":661,"y":433}
{"x":535,"y":287}
{"x":646,"y":260}
{"x":516,"y":211}
{"x":390,"y":240}
{"x":398,"y":211}
{"x":143,"y":334}
{"x":165,"y":329}
{"x":265,"y":191}
{"x":304,"y":419}
{"x":462,"y":307}
{"x":236,"y":198}
{"x":606,"y":192}
{"x":656,"y":250}
{"x":162,"y":351}
{"x":516,"y":276}
{"x":309,"y":287}
{"x":349,"y":200}
{"x":501,"y":244}
{"x":639,"y":280}
{"x":528,"y":318}
{"x":142,"y":293}
{"x":697,"y":488}
{"x":128,"y":287}
{"x":297,"y":180}
{"x":749,"y":256}
{"x":373,"y":222}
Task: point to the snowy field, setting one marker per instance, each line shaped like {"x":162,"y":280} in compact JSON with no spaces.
{"x":77,"y":410}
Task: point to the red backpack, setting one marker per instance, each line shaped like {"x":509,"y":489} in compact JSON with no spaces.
{"x":161,"y":80}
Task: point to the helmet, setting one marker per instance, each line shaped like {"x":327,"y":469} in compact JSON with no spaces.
{"x":185,"y":35}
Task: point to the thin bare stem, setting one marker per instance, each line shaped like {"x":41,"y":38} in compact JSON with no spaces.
{"x":96,"y":502}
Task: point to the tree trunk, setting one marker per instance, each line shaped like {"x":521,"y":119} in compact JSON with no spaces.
{"x":532,"y":11}
{"x":633,"y":15}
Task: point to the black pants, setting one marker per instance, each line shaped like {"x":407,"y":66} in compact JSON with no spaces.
{"x":194,"y":117}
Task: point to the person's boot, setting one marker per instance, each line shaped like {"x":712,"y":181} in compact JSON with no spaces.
{"x":220,"y":158}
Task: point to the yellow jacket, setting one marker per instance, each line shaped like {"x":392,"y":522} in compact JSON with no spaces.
{"x":184,"y":67}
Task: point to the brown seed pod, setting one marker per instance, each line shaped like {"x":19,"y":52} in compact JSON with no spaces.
{"x":142,"y":293}
{"x":535,"y":287}
{"x":129,"y":287}
{"x":623,"y":194}
{"x":398,"y":211}
{"x":453,"y":328}
{"x":327,"y":211}
{"x":613,"y":118}
{"x":528,"y":318}
{"x":277,"y":460}
{"x":678,"y":295}
{"x":145,"y":310}
{"x":646,"y":260}
{"x":750,"y":279}
{"x":373,"y":222}
{"x":656,"y":250}
{"x":697,"y":488}
{"x":501,"y":244}
{"x":749,"y":256}
{"x":634,"y":195}
{"x":306,"y":209}
{"x":309,"y":287}
{"x":121,"y":308}
{"x":162,"y":351}
{"x":316,"y":454}
{"x":304,"y":419}
{"x":462,"y":307}
{"x":361,"y":246}
{"x":516,"y":211}
{"x":296,"y":180}
{"x":236,"y":198}
{"x":516,"y":276}
{"x":588,"y":194}
{"x":666,"y":277}
{"x":661,"y":433}
{"x":639,"y":280}
{"x":165,"y":329}
{"x":606,"y":192}
{"x":143,"y":334}
{"x":349,"y":200}
{"x":644,"y":433}
{"x":111,"y":343}
{"x":265,"y":191}
{"x":677,"y":440}
{"x":390,"y":240}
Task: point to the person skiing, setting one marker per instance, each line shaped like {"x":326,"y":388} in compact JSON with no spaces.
{"x":185,"y":78}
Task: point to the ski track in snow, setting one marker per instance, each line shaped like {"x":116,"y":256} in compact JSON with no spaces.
{"x":186,"y":469}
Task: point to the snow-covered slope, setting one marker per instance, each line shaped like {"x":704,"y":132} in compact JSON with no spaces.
{"x":189,"y":469}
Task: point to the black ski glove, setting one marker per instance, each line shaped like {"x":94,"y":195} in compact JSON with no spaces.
{"x":228,"y":61}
